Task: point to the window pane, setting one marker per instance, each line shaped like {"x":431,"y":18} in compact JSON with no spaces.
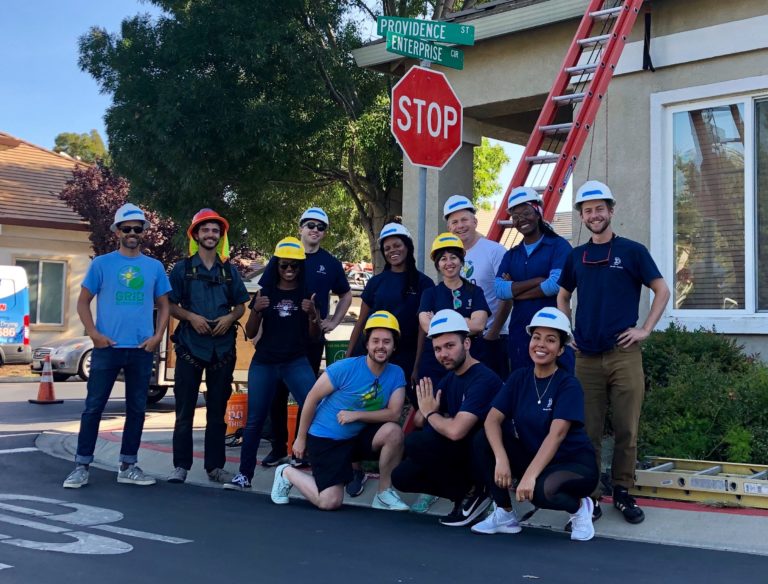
{"x":761,"y":189}
{"x":708,"y":190}
{"x":32,"y":269}
{"x":52,"y":293}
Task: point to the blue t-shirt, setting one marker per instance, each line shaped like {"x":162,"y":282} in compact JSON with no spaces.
{"x":609,"y":277}
{"x":126,"y":289}
{"x":530,"y":421}
{"x":323,"y":274}
{"x":355,"y":388}
{"x":471,"y":392}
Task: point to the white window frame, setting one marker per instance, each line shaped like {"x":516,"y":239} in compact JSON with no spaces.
{"x":40,"y":261}
{"x":663,"y":106}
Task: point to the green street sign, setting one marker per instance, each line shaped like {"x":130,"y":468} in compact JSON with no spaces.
{"x":425,"y":50}
{"x":427,"y":30}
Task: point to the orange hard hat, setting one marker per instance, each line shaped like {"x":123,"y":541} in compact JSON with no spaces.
{"x":205,"y":215}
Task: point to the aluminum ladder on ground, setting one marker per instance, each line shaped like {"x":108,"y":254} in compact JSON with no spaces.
{"x":580,"y":86}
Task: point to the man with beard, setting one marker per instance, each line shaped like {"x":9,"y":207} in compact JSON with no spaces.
{"x":129,"y":285}
{"x":207,"y":298}
{"x":438,"y":459}
{"x":350,"y":415}
{"x":609,"y":272}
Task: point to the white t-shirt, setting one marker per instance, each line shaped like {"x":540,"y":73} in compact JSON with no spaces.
{"x":480,"y":266}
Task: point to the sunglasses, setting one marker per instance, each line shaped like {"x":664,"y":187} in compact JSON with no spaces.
{"x":288,"y":265}
{"x":319,"y":226}
{"x":456,"y":299}
{"x":136,"y":230}
{"x":601,"y":262}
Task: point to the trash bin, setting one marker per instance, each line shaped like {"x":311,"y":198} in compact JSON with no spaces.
{"x":335,"y":351}
{"x":237,"y":411}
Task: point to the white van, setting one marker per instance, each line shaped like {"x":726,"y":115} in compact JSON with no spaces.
{"x":14,"y":316}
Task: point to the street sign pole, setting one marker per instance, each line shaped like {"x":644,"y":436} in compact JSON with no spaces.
{"x":422,"y":210}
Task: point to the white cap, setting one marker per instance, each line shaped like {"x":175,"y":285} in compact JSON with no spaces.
{"x":314,"y":213}
{"x":551,"y":318}
{"x":129,"y":212}
{"x":394,"y":229}
{"x":520,"y":195}
{"x":457,"y":203}
{"x":592,"y":190}
{"x":447,"y":321}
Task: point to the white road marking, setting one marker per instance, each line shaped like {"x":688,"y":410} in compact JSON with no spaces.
{"x":19,"y":450}
{"x":5,"y":566}
{"x":21,"y":434}
{"x":141,"y":534}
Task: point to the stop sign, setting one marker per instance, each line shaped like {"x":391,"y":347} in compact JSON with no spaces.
{"x":426,"y":117}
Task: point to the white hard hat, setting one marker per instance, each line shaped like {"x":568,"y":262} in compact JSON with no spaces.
{"x":447,"y":321}
{"x":129,"y":212}
{"x":314,"y":213}
{"x":551,"y":318}
{"x":520,"y":195}
{"x":457,"y":203}
{"x":592,"y":190}
{"x":394,"y":229}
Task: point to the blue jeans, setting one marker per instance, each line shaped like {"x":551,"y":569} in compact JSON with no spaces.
{"x":105,"y":366}
{"x":262,"y":386}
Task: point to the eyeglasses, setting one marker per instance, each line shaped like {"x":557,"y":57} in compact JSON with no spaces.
{"x":601,"y":262}
{"x":288,"y":265}
{"x":319,"y":226}
{"x":456,"y":299}
{"x":527,"y":213}
{"x":136,"y":229}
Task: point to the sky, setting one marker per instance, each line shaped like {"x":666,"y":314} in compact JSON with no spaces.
{"x":43,"y":92}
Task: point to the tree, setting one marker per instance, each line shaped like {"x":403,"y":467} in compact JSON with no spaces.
{"x":488,"y":161}
{"x":86,"y":147}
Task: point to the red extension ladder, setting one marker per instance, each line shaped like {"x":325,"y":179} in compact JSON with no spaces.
{"x":580,"y":85}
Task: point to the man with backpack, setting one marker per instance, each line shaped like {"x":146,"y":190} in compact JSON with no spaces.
{"x":207,"y":297}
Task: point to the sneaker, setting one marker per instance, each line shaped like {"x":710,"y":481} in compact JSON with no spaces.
{"x":133,"y":475}
{"x":356,"y":486}
{"x":274,"y":458}
{"x":423,"y":503}
{"x":299,"y":462}
{"x":239,"y":482}
{"x":390,"y":500}
{"x":455,"y":518}
{"x":219,"y":475}
{"x":500,"y":521}
{"x":581,"y":521}
{"x":179,"y":475}
{"x":626,"y":503}
{"x":597,"y":513}
{"x":475,"y":505}
{"x":77,"y":478}
{"x":281,"y":486}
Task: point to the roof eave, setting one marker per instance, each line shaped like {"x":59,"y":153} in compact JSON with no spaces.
{"x":44,"y":223}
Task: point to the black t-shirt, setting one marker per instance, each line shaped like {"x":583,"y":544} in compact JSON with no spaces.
{"x":285,"y":327}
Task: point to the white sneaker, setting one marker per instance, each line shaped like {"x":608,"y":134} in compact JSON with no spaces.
{"x":500,"y":521}
{"x":388,"y":499}
{"x":133,"y":475}
{"x":582,"y":528}
{"x":77,"y":478}
{"x":281,"y":486}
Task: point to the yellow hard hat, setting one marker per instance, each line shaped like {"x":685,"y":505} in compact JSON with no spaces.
{"x":290,"y":248}
{"x":382,"y":319}
{"x":445,"y":240}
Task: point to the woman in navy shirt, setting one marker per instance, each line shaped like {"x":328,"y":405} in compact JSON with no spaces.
{"x":529,"y":273}
{"x":453,"y":293}
{"x":535,"y":433}
{"x":285,"y":312}
{"x":397,"y":290}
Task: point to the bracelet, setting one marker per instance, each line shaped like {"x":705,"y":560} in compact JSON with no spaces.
{"x":430,"y":413}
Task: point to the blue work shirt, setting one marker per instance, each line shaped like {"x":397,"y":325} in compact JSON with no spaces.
{"x":207,"y":295}
{"x":609,"y":278}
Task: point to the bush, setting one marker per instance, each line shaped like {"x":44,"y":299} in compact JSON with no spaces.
{"x":705,"y":399}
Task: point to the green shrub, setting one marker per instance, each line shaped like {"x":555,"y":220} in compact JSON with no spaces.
{"x":705,"y":399}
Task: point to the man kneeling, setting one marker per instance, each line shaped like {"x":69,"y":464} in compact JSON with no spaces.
{"x":351,"y":415}
{"x":438,"y":459}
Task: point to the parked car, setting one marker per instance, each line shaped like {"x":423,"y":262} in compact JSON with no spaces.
{"x":357,"y":280}
{"x":68,"y":357}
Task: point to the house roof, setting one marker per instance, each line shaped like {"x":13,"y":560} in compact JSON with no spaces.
{"x":31,"y":178}
{"x":562,"y":224}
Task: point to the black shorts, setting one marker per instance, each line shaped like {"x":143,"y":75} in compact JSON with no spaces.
{"x":332,"y":460}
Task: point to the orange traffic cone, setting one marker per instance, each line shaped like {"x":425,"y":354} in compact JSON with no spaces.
{"x":45,"y":394}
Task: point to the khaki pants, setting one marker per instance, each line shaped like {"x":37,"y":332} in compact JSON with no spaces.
{"x":615,"y":376}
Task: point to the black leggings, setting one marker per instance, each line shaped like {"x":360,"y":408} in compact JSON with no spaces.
{"x":560,"y":486}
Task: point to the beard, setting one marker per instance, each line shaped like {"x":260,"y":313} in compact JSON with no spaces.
{"x":597,"y":231}
{"x":453,"y":364}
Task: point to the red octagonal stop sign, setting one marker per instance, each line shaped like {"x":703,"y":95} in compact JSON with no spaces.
{"x":426,"y":117}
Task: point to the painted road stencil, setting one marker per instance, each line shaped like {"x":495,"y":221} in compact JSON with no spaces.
{"x":74,"y":514}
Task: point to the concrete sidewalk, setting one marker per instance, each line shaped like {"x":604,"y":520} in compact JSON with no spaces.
{"x":670,"y":523}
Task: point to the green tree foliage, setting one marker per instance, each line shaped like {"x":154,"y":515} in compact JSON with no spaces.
{"x":86,"y":147}
{"x":488,"y":161}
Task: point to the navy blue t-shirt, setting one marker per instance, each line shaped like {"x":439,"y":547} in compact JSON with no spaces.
{"x":608,"y":278}
{"x":323,"y":274}
{"x":531,"y":421}
{"x":471,"y":392}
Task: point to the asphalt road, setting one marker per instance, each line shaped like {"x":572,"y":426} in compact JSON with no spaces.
{"x":191,"y":534}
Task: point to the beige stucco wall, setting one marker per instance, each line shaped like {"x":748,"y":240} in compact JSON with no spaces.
{"x":72,"y":247}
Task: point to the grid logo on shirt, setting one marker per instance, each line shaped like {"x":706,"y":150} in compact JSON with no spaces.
{"x":468,"y":269}
{"x":130,"y":277}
